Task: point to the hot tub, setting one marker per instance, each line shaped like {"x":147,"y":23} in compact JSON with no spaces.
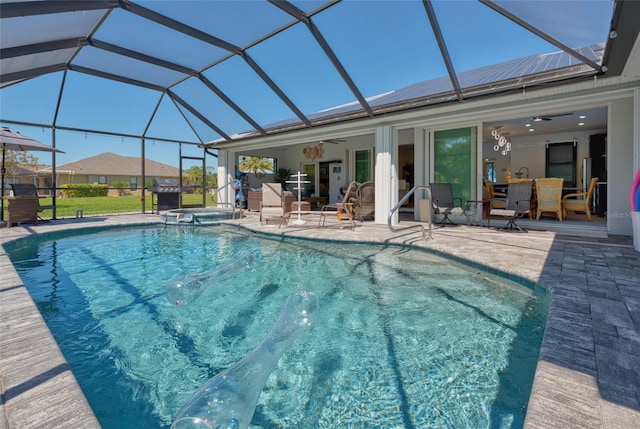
{"x":199,"y":216}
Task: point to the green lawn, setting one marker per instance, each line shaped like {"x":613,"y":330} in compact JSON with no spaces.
{"x":66,"y":207}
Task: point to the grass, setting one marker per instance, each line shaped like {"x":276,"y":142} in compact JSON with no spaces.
{"x":66,"y":207}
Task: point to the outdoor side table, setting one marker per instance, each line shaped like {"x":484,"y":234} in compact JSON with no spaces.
{"x":474,"y":212}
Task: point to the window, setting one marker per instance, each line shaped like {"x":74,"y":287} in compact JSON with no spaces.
{"x":490,"y":171}
{"x":561,"y":162}
{"x":133,"y":183}
{"x":362,"y":165}
{"x":102,"y":180}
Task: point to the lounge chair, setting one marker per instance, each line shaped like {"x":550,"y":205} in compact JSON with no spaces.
{"x":29,"y":190}
{"x":517,"y":204}
{"x":342,"y":210}
{"x":271,"y":202}
{"x":444,"y":202}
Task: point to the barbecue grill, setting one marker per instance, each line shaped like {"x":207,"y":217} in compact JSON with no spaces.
{"x":166,"y":194}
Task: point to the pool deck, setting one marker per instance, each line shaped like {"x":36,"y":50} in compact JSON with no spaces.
{"x":588,"y":373}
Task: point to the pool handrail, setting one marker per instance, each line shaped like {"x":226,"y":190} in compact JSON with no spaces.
{"x":230,"y":182}
{"x":404,"y":200}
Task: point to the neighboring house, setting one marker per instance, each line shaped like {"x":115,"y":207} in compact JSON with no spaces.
{"x":18,"y":174}
{"x":107,"y":168}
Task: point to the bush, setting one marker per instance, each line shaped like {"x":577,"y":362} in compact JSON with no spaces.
{"x":78,"y":190}
{"x":122,"y":187}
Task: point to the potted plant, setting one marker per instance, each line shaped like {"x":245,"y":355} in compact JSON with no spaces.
{"x":282,"y":175}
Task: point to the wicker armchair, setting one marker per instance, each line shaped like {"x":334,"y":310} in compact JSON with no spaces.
{"x":549,"y":196}
{"x":365,"y":205}
{"x":579,"y":201}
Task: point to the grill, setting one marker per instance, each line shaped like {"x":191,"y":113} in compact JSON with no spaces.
{"x":166,"y":193}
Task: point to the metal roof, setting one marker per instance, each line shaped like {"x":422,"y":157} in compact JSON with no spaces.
{"x":232,"y":70}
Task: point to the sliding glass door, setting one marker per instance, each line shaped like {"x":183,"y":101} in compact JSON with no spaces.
{"x":454,"y":160}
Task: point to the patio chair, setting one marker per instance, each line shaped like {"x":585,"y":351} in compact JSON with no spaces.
{"x":518,"y":204}
{"x":444,"y":202}
{"x":579,"y":201}
{"x":29,"y":190}
{"x":271,"y":202}
{"x":365,"y":204}
{"x":342,"y":210}
{"x":549,"y":196}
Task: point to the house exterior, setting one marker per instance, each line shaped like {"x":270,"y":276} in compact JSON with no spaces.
{"x":107,"y":168}
{"x":409,"y":148}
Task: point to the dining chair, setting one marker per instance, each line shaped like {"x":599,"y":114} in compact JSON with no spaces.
{"x":549,"y":196}
{"x":579,"y":201}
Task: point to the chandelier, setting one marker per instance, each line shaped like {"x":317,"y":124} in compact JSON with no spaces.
{"x":503,"y":145}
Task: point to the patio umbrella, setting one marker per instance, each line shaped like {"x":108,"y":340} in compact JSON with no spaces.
{"x":12,"y":140}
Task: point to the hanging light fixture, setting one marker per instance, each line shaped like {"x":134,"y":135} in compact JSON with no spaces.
{"x":503,"y":145}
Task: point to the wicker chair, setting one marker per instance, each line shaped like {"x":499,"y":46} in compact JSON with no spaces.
{"x":491,"y":193}
{"x":365,"y":204}
{"x":549,"y":196}
{"x":579,"y":201}
{"x":518,"y":204}
{"x":29,"y":190}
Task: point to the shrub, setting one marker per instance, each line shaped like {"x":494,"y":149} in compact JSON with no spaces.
{"x":77,"y":190}
{"x":121,"y":186}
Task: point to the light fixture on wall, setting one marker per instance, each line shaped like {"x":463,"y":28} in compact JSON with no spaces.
{"x":313,"y":152}
{"x":503,"y":145}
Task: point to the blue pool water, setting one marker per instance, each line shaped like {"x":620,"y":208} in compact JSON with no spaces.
{"x":403,"y":339}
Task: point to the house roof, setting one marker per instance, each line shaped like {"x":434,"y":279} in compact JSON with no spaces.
{"x":111,"y":164}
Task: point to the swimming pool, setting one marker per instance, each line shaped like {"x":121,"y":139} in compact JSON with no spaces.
{"x":403,"y":338}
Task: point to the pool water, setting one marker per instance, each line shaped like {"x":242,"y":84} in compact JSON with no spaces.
{"x":403,"y":339}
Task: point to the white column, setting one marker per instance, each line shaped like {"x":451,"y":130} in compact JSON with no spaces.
{"x":384,"y":176}
{"x":225,"y":194}
{"x":421,"y":168}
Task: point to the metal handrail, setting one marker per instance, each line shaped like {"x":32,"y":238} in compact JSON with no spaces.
{"x":233,"y":205}
{"x":404,"y":200}
{"x":229,"y":183}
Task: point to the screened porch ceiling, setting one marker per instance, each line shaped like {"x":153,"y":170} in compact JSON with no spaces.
{"x":223,"y":71}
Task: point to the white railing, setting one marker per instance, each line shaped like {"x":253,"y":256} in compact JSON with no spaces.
{"x":404,"y":200}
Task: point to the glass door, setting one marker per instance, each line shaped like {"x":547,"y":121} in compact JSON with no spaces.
{"x":309,"y":189}
{"x":454,"y":160}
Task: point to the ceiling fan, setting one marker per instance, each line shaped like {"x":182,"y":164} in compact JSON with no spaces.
{"x":548,"y":117}
{"x":332,"y":141}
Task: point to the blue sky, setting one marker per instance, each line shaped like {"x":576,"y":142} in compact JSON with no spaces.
{"x":384,"y":45}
